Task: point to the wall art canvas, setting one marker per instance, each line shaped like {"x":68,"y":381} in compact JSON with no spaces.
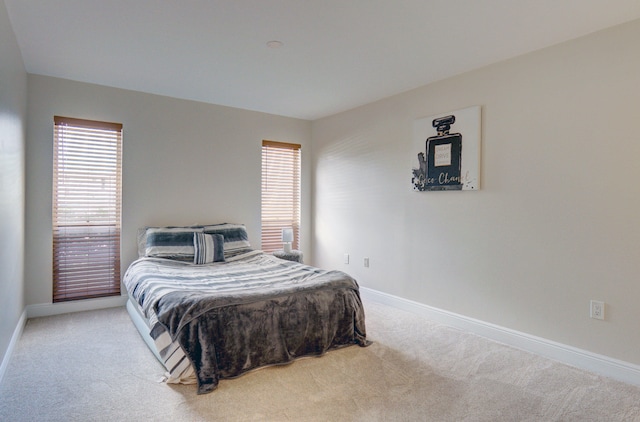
{"x":446,"y":151}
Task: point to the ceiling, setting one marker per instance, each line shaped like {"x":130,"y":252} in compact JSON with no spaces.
{"x":336,"y":54}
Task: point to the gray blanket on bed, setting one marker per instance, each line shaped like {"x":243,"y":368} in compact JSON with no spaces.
{"x":226,"y":334}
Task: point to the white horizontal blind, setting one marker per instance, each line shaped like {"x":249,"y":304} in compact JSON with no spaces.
{"x":87,"y":185}
{"x":280,"y":193}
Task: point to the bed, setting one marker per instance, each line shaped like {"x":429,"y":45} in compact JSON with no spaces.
{"x":210,"y":307}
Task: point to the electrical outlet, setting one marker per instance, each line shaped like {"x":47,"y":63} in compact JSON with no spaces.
{"x":597,"y":309}
{"x":346,"y":258}
{"x":366,"y":262}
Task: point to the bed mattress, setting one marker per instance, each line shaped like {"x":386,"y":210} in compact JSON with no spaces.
{"x":223,"y":319}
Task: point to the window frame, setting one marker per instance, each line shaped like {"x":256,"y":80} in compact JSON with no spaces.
{"x":281,"y":182}
{"x":86,"y":209}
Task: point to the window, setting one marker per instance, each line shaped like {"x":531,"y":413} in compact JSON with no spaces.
{"x":87,"y":158}
{"x":280,"y":193}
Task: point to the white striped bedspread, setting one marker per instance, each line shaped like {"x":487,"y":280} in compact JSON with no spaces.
{"x":147,"y":280}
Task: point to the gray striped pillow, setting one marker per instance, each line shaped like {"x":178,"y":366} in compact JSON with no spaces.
{"x":208,"y":248}
{"x":170,"y":242}
{"x":236,"y":240}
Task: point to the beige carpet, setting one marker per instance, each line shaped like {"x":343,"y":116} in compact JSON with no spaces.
{"x":93,"y":366}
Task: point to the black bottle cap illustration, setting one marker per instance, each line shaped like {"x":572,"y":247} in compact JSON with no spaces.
{"x":443,"y":124}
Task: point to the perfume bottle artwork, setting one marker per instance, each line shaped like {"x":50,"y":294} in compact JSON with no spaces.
{"x":440,"y":165}
{"x":444,"y":157}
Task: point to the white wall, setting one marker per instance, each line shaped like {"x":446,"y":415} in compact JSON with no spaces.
{"x":184,"y":162}
{"x":555,"y":223}
{"x":13,"y":104}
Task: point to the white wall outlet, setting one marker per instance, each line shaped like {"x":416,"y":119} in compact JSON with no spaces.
{"x":366,"y":262}
{"x":346,"y":258}
{"x":597,"y":309}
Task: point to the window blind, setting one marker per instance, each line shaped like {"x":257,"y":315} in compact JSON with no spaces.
{"x":280,"y":193}
{"x":87,"y":185}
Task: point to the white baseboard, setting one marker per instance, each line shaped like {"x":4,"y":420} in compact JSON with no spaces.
{"x":599,"y":364}
{"x":48,"y":309}
{"x":17,"y":333}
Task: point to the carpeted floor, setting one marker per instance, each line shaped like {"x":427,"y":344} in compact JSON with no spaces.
{"x":93,"y":366}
